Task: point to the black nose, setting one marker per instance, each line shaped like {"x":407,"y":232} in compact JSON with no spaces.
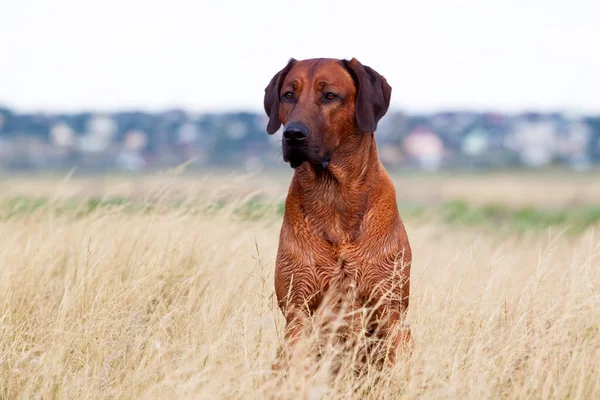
{"x":295,"y":131}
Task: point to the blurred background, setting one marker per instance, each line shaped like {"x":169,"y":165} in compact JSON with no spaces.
{"x":148,"y":85}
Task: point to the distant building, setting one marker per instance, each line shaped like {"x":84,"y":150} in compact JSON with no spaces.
{"x":576,"y":145}
{"x":476,"y":142}
{"x":391,"y":155}
{"x":187,"y":133}
{"x":131,"y":160}
{"x":535,"y":141}
{"x":62,"y":135}
{"x":91,"y":144}
{"x":425,"y":148}
{"x":135,"y":140}
{"x":236,"y":130}
{"x":102,"y":126}
{"x":101,"y":131}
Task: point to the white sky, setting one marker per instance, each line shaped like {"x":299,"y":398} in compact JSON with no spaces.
{"x":67,"y":55}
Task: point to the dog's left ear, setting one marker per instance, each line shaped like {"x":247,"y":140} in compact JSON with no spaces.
{"x":271,"y":101}
{"x":372,"y":95}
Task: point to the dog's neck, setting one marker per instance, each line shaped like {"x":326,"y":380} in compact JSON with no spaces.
{"x":335,"y":198}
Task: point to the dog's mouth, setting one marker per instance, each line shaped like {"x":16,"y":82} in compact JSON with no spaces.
{"x":297,"y":157}
{"x":295,"y":162}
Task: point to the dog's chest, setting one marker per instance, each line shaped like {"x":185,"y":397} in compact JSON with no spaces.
{"x":344,"y":271}
{"x":338,"y":224}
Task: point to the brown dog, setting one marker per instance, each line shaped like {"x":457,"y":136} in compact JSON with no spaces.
{"x":342,"y":236}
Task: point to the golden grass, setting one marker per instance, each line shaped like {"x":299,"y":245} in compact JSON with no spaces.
{"x":178,"y":304}
{"x":557,"y":190}
{"x":516,"y":189}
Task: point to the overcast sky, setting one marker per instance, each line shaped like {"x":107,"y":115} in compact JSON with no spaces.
{"x":219,"y":55}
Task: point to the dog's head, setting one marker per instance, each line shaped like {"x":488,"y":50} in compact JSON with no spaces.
{"x":323,"y":103}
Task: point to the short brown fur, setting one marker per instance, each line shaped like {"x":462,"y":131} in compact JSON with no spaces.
{"x":341,"y":230}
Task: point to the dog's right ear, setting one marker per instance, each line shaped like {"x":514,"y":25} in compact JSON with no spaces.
{"x":271,"y":101}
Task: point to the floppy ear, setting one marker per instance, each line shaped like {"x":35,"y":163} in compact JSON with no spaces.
{"x":271,"y":101}
{"x":372,"y":95}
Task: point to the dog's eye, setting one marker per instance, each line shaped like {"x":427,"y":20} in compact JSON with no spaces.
{"x":288,"y":96}
{"x":330,"y":96}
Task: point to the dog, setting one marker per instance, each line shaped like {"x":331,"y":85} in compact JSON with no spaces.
{"x":342,"y":238}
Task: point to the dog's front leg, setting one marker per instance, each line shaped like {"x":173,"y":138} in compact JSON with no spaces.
{"x":394,"y":331}
{"x":296,"y":328}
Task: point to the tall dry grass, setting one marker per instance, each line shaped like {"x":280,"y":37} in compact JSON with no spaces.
{"x":516,"y":189}
{"x":177,"y":302}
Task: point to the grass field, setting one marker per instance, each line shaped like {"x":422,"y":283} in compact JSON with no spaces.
{"x":162,"y":287}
